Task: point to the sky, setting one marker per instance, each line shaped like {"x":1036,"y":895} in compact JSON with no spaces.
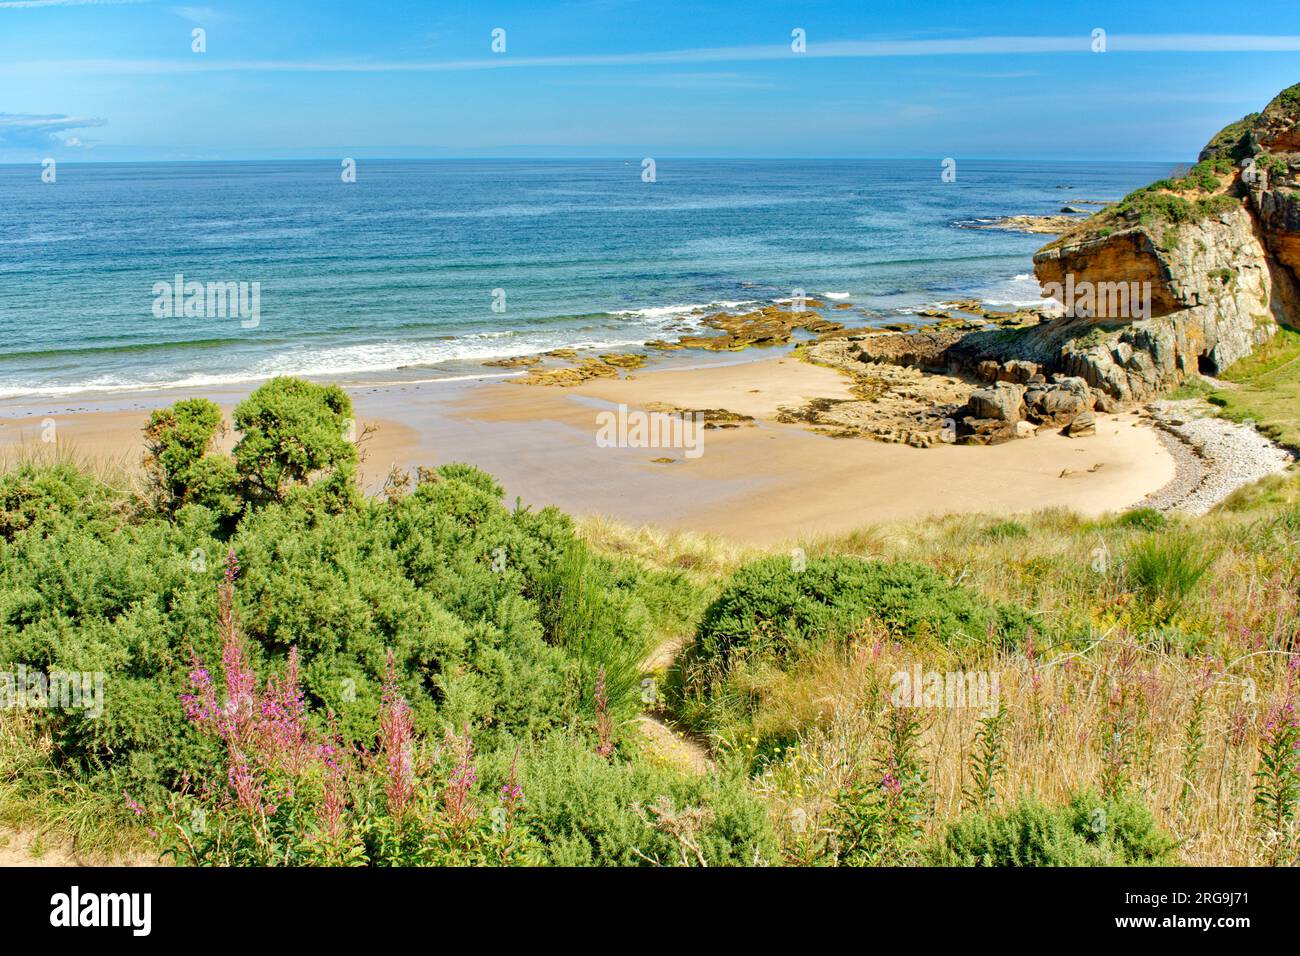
{"x":120,"y":80}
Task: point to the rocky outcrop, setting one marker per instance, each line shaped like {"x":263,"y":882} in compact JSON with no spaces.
{"x":1210,"y":259}
{"x":1005,"y":410}
{"x":1186,"y":275}
{"x":1052,"y":225}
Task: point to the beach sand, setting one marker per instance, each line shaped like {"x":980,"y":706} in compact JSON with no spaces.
{"x":762,"y":483}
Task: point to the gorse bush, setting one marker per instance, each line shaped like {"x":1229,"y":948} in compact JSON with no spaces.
{"x":177,"y":442}
{"x":1147,"y":519}
{"x":282,"y":791}
{"x":770,"y":609}
{"x":447,"y":578}
{"x":293,"y":434}
{"x":294,"y":431}
{"x":1087,"y":832}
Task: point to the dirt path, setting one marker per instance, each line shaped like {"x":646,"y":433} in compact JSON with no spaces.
{"x":28,"y":848}
{"x":663,"y":739}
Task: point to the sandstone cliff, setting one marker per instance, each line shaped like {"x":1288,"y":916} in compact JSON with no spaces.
{"x":1218,"y":249}
{"x":1186,"y":275}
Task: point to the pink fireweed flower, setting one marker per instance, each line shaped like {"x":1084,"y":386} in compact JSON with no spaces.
{"x":511,"y":793}
{"x":282,"y":730}
{"x":201,"y":705}
{"x":244,"y":781}
{"x":334,"y":800}
{"x":237,"y":715}
{"x":891,"y":785}
{"x":396,"y":731}
{"x":457,"y":796}
{"x":132,"y":805}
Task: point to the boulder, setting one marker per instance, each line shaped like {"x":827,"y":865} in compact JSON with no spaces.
{"x":1019,"y":371}
{"x":984,"y":431}
{"x":1059,"y":402}
{"x":1001,"y":402}
{"x":1084,"y":423}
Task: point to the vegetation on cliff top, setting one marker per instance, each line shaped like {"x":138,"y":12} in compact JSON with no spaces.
{"x":1206,"y":190}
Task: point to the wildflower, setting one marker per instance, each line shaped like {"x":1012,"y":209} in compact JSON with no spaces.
{"x":334,"y":797}
{"x":457,"y":796}
{"x":395,"y":743}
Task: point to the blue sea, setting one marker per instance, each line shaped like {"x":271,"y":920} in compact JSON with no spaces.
{"x":395,"y":276}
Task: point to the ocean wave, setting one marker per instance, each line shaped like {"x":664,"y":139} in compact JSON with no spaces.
{"x":678,"y":311}
{"x":342,"y":361}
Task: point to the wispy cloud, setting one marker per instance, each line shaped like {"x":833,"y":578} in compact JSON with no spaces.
{"x":26,"y":130}
{"x":675,"y":81}
{"x":17,"y":4}
{"x":197,"y":14}
{"x":971,"y":46}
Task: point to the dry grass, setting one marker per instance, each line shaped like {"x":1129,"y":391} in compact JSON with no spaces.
{"x":1112,"y":654}
{"x":1062,"y":715}
{"x":123,"y":473}
{"x":54,"y":811}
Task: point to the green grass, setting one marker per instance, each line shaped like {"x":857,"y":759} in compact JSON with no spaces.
{"x":1268,"y":391}
{"x":1167,"y":568}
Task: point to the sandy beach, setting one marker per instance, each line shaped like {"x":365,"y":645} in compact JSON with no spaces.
{"x":761,"y":483}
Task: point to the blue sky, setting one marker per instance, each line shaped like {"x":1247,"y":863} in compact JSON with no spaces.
{"x":109,"y":80}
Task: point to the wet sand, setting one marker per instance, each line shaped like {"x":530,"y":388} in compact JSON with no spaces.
{"x":761,"y":483}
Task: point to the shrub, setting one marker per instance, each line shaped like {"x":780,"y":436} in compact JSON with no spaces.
{"x":585,"y":811}
{"x":1147,"y":519}
{"x":177,"y":442}
{"x":770,"y":609}
{"x":293,"y":431}
{"x":1005,"y":531}
{"x":1166,"y":568}
{"x":1087,"y":832}
{"x":41,"y":498}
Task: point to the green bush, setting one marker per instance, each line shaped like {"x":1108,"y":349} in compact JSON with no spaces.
{"x":1166,"y":568}
{"x":1147,"y":519}
{"x":1087,"y":832}
{"x":41,"y":498}
{"x":770,"y":609}
{"x":177,"y":441}
{"x":586,"y":811}
{"x":1005,"y":531}
{"x":294,"y":431}
{"x":462,"y":590}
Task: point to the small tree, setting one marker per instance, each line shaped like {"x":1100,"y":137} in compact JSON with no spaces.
{"x":293,"y":432}
{"x":177,"y":442}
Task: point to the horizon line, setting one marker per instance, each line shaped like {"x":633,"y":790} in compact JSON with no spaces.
{"x":600,"y":158}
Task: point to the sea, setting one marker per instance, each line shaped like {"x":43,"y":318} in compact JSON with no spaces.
{"x":423,"y":270}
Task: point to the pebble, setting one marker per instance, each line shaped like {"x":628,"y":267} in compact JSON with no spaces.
{"x":1213,"y":457}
